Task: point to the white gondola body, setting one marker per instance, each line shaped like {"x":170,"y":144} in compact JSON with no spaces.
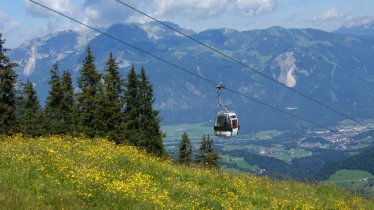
{"x":226,"y":124}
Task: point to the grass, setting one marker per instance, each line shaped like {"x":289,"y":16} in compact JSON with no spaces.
{"x":62,"y":172}
{"x":353,"y":180}
{"x":194,"y":131}
{"x":239,"y":162}
{"x":268,"y":134}
{"x":344,"y":175}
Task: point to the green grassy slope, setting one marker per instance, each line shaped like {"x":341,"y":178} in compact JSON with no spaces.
{"x":75,"y":173}
{"x":354,"y":180}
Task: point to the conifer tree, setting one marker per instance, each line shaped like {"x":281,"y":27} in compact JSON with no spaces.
{"x":102,"y":111}
{"x":112,"y":78}
{"x":207,"y":156}
{"x":8,"y":79}
{"x":131,"y":112}
{"x":114,"y":102}
{"x":31,"y":120}
{"x":53,"y":107}
{"x":68,"y":105}
{"x":88,"y":82}
{"x":149,"y":120}
{"x":185,"y":150}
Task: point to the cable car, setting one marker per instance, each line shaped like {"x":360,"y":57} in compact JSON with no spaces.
{"x":226,"y":123}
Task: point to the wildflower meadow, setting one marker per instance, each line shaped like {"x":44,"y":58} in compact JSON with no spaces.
{"x":64,"y":172}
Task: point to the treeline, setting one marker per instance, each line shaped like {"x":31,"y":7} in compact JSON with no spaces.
{"x":104,"y":106}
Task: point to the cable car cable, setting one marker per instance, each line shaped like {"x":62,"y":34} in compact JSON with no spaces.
{"x":245,"y":65}
{"x":185,"y":70}
{"x":125,"y":43}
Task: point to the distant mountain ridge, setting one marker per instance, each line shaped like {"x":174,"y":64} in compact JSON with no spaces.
{"x":337,"y":69}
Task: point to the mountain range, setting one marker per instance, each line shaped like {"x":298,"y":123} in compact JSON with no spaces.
{"x":335,"y":68}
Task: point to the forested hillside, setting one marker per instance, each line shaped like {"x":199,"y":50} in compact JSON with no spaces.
{"x":363,"y":161}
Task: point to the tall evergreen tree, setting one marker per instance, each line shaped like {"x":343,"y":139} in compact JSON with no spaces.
{"x":114,"y":102}
{"x":102,"y":111}
{"x":53,"y":107}
{"x":112,"y":78}
{"x":149,"y":121}
{"x":207,"y":156}
{"x":185,"y":150}
{"x":68,"y":105}
{"x":131,"y":112}
{"x":8,"y":79}
{"x":88,"y":82}
{"x":31,"y":119}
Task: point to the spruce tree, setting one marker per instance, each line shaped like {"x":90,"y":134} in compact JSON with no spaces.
{"x":68,"y":105}
{"x":114,"y":102}
{"x":88,"y":82}
{"x":207,"y":156}
{"x":102,"y":112}
{"x":8,"y":79}
{"x":53,"y":107}
{"x":31,"y":120}
{"x":185,"y":150}
{"x":149,"y":121}
{"x":112,"y":78}
{"x":131,"y":112}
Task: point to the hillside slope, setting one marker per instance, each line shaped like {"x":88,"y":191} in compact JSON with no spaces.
{"x":72,"y":173}
{"x":362,"y":161}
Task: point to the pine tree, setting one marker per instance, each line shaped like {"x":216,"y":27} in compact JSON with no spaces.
{"x":102,"y":111}
{"x":207,"y":156}
{"x":8,"y":79}
{"x":185,"y":150}
{"x":88,"y":82}
{"x":53,"y":108}
{"x":31,"y":121}
{"x":131,"y":112}
{"x":114,"y":100}
{"x":68,"y":105}
{"x":149,"y":121}
{"x":112,"y":78}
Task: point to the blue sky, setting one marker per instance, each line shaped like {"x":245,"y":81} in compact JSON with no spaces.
{"x":21,"y":20}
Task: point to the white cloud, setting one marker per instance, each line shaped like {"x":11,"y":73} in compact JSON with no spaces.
{"x":359,"y":21}
{"x":8,"y":28}
{"x":255,"y":7}
{"x":191,"y":9}
{"x":332,"y":14}
{"x":3,"y":15}
{"x":6,"y":24}
{"x":104,"y":13}
{"x":108,"y":12}
{"x":63,"y":6}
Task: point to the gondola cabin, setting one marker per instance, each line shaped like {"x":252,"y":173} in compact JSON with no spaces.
{"x":226,"y":124}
